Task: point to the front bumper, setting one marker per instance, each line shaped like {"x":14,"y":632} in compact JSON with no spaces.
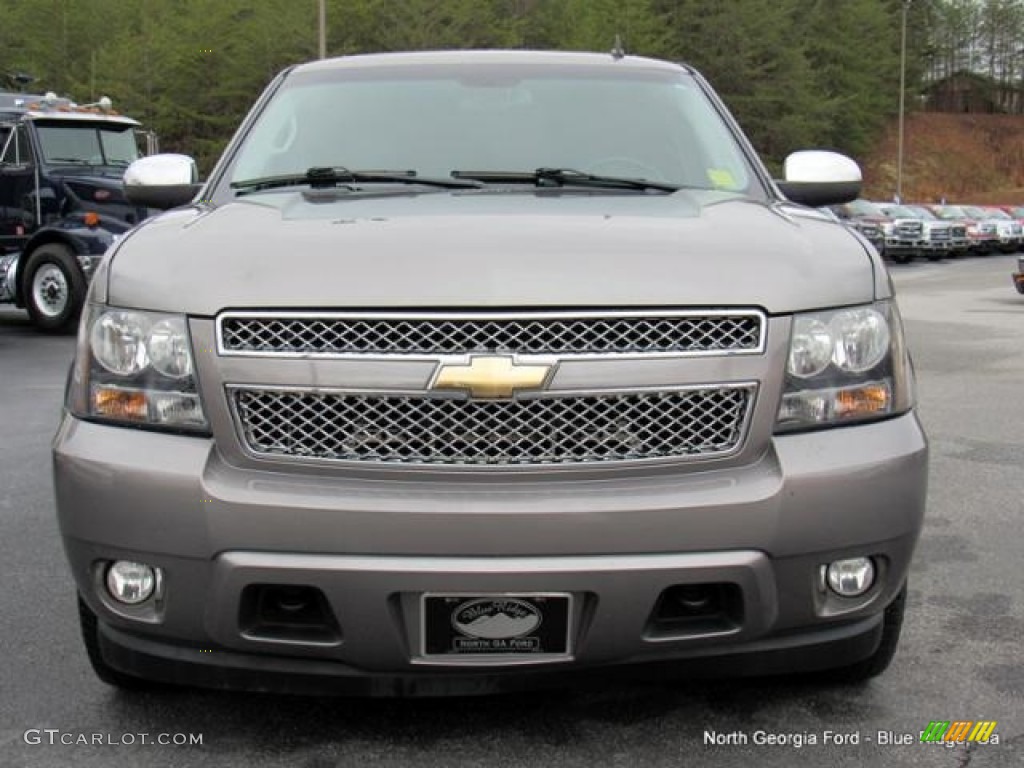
{"x":1009,"y":243}
{"x":905,"y":245}
{"x":984,"y":243}
{"x":371,"y":548}
{"x":227,"y":670}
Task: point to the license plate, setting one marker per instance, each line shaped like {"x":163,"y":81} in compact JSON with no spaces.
{"x":496,"y":625}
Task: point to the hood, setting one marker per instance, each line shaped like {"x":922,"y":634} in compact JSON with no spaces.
{"x":490,"y":249}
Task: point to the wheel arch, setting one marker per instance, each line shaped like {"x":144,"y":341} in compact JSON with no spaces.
{"x":43,"y":237}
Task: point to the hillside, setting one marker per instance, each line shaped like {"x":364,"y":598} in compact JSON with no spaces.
{"x":964,"y":158}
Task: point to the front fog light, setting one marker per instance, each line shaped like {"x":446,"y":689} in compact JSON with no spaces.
{"x":851,"y":578}
{"x":131,"y":583}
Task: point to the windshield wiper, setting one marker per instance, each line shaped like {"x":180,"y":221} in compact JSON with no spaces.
{"x":68,"y":160}
{"x":332,"y":177}
{"x":560,"y":177}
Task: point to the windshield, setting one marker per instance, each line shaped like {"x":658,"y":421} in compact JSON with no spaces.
{"x":951,"y":212}
{"x":496,"y":118}
{"x":995,"y":213}
{"x":924,"y":213}
{"x":864,"y":208}
{"x":87,"y":143}
{"x":901,"y":212}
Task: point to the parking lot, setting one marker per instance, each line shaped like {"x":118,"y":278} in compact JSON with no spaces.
{"x":960,"y":657}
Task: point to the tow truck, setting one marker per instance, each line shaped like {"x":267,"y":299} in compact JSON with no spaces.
{"x":62,"y":200}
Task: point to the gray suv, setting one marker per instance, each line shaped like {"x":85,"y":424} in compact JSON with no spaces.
{"x":467,"y":371}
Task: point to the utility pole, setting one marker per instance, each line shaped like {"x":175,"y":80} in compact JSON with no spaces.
{"x":323,"y":28}
{"x":903,"y":88}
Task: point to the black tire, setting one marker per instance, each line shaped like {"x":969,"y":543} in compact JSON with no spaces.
{"x":879,"y":661}
{"x":53,"y":288}
{"x":90,"y":636}
{"x":902,"y":257}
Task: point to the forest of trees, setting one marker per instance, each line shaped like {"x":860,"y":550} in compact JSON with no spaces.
{"x":797,"y":73}
{"x":981,"y":36}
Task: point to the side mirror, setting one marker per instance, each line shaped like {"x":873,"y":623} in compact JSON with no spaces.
{"x":817,"y":177}
{"x":162,"y":181}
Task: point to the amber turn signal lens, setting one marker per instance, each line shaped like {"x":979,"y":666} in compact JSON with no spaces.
{"x":120,"y":404}
{"x":91,"y":219}
{"x":862,"y":401}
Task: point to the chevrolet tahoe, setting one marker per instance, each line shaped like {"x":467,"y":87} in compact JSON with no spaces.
{"x":469,"y":371}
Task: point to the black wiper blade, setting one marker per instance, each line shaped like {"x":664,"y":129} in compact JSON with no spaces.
{"x":333,"y":176}
{"x":560,"y":177}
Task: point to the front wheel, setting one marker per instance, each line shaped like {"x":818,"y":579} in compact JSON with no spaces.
{"x":90,"y":637}
{"x":53,"y":288}
{"x":876,"y":663}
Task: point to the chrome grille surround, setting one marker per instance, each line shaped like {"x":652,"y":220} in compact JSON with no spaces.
{"x":426,"y":334}
{"x":535,"y":430}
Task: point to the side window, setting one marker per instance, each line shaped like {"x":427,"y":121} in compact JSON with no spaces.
{"x":14,"y":148}
{"x":5,"y":134}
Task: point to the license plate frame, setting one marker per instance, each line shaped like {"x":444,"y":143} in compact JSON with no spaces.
{"x":495,"y":627}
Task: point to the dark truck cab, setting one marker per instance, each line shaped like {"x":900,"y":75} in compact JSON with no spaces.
{"x":62,"y":200}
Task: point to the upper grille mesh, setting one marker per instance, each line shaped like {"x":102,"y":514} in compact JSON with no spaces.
{"x":909,"y":229}
{"x":416,"y":429}
{"x":279,"y":334}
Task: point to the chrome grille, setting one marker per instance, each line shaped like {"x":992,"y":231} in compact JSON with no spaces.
{"x":419,"y":429}
{"x":532,"y":333}
{"x":909,"y":228}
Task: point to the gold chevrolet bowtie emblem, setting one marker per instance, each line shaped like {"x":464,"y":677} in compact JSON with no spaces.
{"x":491,"y":376}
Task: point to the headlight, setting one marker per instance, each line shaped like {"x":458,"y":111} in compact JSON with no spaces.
{"x":860,"y":338}
{"x":135,"y":367}
{"x":118,"y":341}
{"x":810,"y":348}
{"x":168,"y":348}
{"x":847,"y":365}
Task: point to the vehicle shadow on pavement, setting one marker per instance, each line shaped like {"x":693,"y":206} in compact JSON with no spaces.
{"x":670,"y":713}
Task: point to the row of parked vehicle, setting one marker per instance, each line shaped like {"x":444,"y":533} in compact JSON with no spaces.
{"x":904,"y":232}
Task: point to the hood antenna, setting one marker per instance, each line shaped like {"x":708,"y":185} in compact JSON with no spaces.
{"x":617,"y":50}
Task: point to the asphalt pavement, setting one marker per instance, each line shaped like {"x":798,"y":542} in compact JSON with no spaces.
{"x":960,"y":657}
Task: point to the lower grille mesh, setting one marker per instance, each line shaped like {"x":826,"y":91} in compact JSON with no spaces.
{"x":415,"y":429}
